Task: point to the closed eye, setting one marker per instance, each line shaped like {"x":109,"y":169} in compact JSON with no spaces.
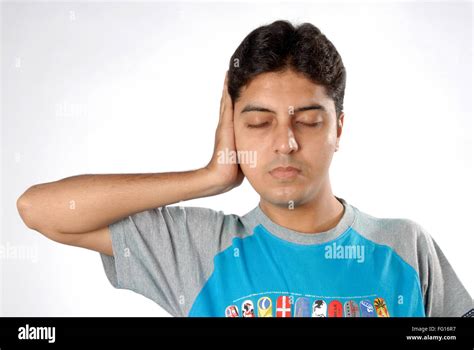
{"x":310,"y":124}
{"x":255,"y":126}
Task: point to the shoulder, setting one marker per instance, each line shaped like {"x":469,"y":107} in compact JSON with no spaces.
{"x":389,"y":228}
{"x":404,"y":236}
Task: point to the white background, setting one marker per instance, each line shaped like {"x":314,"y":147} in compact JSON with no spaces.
{"x":122,"y":87}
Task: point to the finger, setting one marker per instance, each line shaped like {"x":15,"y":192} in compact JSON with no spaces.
{"x":227,"y":110}
{"x":223,"y":98}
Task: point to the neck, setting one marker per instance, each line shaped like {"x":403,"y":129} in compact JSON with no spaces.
{"x":318,"y":215}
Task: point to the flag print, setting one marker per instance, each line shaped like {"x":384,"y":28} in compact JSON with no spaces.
{"x":265,"y":307}
{"x":283,"y":306}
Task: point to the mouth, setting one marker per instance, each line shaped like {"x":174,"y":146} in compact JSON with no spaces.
{"x":285,"y":172}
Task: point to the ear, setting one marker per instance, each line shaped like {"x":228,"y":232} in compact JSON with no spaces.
{"x":340,"y":124}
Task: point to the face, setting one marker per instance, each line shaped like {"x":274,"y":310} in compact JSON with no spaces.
{"x":285,"y":120}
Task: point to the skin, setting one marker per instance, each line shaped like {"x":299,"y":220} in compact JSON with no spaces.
{"x":305,"y":203}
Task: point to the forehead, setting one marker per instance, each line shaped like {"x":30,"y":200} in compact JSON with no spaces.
{"x":287,"y":88}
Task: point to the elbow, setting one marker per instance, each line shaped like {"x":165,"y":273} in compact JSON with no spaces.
{"x":29,"y":207}
{"x":25,"y":208}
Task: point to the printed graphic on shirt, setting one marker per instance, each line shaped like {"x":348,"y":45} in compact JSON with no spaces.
{"x":284,"y":279}
{"x":247,"y":309}
{"x":335,"y":309}
{"x":351,"y":309}
{"x":381,"y":308}
{"x":302,"y":307}
{"x":265,"y":307}
{"x":366,"y":308}
{"x":231,"y":311}
{"x":470,"y":313}
{"x":320,"y":308}
{"x":283,"y":306}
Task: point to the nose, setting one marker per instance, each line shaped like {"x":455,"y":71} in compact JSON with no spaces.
{"x":285,"y":141}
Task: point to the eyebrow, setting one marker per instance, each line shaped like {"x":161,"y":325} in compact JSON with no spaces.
{"x":253,"y":108}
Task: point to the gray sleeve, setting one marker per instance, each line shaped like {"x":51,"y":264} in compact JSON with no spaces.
{"x":443,"y":292}
{"x":444,"y":295}
{"x":166,"y":254}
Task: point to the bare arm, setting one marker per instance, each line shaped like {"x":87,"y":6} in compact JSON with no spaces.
{"x":77,"y":210}
{"x":86,"y":203}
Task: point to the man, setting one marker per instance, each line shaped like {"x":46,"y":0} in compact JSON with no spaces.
{"x":300,"y":252}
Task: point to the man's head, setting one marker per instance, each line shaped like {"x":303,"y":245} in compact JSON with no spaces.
{"x":287,"y":88}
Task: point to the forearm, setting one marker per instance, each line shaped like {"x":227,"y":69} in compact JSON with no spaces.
{"x":85,"y":203}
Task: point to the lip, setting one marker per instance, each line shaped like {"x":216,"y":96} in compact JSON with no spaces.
{"x":285,"y":172}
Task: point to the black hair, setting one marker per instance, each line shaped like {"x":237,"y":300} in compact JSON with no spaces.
{"x":280,"y":46}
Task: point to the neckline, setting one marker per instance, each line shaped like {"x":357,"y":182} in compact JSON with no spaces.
{"x":258,"y":217}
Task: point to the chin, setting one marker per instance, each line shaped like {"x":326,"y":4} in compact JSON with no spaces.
{"x":282,"y":197}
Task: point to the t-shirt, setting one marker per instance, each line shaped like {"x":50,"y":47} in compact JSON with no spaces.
{"x":196,"y":261}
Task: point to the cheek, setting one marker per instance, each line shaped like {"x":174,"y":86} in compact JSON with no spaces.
{"x":245,"y":141}
{"x":318,"y":152}
{"x":250,"y":149}
{"x":331,"y":138}
{"x":324,"y":140}
{"x":250,"y":172}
